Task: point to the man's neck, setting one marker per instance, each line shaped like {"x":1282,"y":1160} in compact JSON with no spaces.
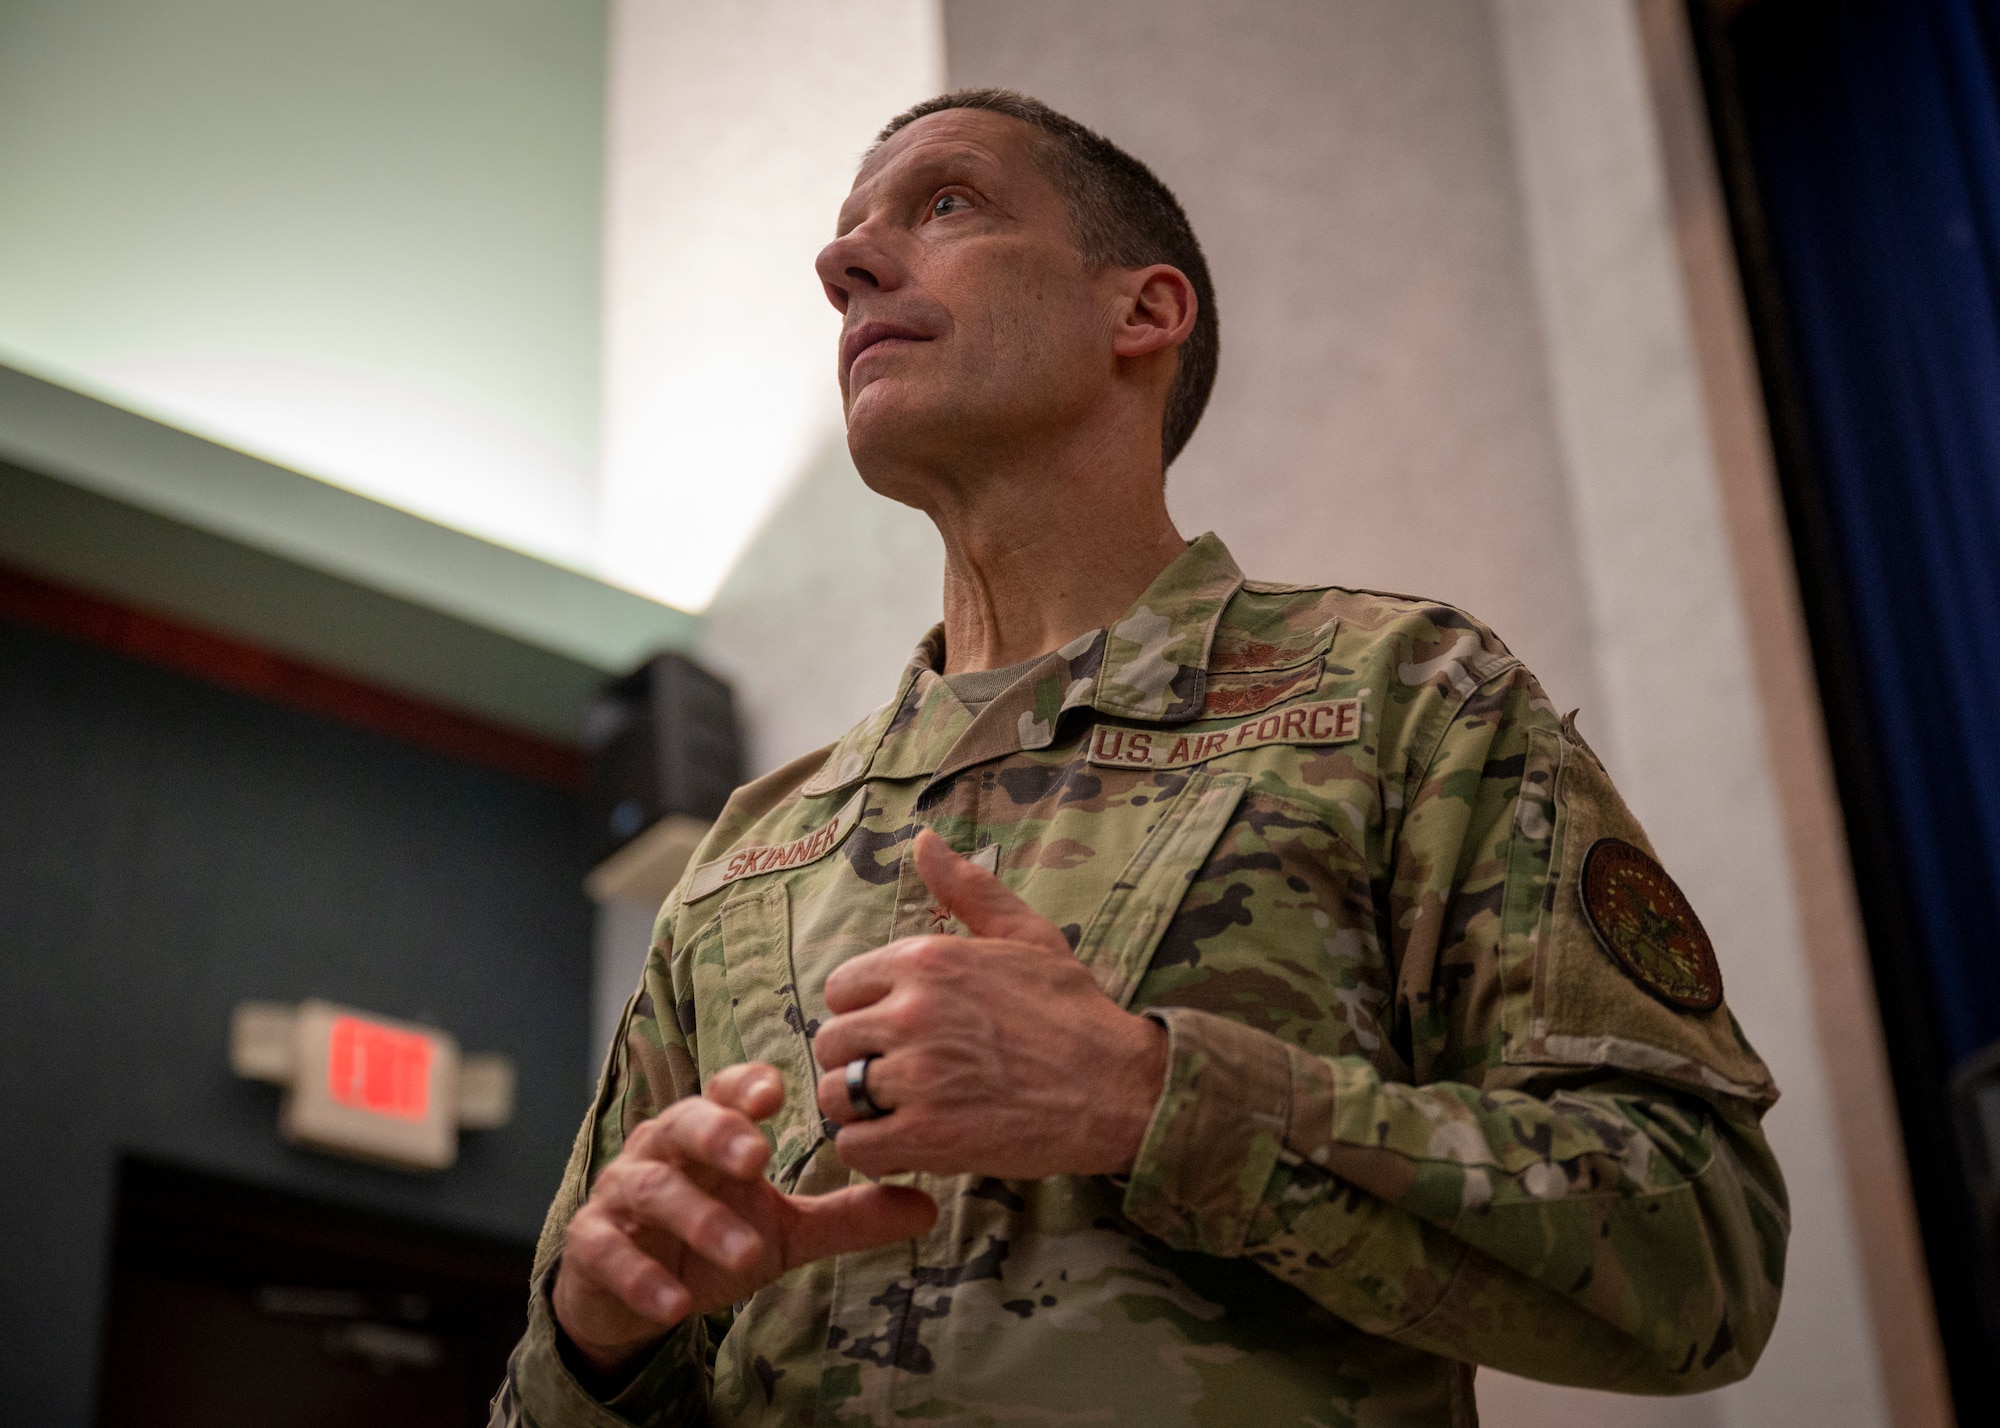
{"x":1035,"y":557}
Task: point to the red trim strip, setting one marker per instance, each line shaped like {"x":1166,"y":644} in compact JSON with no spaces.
{"x":218,"y":659}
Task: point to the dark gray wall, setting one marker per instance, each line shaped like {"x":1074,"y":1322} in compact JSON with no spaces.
{"x":168,"y":849}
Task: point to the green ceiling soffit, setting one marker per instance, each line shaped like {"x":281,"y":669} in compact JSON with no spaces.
{"x":149,"y":514}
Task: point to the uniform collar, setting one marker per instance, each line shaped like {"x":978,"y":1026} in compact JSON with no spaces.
{"x":1150,"y":664}
{"x":1156,"y":657}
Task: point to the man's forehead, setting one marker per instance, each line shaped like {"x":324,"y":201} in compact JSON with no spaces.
{"x":996,"y":147}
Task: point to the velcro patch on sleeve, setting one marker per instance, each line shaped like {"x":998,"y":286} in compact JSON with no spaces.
{"x":718,"y":873}
{"x":1642,"y":918}
{"x":1336,"y":722}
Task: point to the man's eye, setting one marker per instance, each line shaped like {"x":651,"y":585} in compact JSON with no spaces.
{"x":945,"y":204}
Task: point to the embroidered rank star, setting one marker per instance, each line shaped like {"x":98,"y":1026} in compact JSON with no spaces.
{"x":942,"y":921}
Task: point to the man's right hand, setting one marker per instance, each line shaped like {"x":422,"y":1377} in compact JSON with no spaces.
{"x":683,"y":1222}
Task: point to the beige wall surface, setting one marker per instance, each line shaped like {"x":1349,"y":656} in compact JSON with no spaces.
{"x":1382,"y":417}
{"x":1457,"y":361}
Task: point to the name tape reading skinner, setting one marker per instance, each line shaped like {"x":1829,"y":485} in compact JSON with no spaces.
{"x":1336,"y":723}
{"x":770,"y":858}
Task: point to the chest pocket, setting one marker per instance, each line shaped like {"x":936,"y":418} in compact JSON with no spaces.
{"x":763,"y":1001}
{"x":1118,"y":942}
{"x":757,"y":976}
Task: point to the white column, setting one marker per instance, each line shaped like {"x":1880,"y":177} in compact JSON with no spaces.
{"x":623,"y":933}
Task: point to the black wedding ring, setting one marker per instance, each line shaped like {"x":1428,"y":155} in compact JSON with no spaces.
{"x":858,"y":1099}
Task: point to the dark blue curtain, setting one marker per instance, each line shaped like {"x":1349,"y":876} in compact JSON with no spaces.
{"x":1876,"y":131}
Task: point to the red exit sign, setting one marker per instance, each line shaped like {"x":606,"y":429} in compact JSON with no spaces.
{"x":380,"y":1069}
{"x":373,"y":1087}
{"x":368,"y":1086}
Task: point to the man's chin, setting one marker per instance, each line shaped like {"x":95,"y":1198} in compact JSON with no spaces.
{"x":907,"y":462}
{"x":892,"y":426}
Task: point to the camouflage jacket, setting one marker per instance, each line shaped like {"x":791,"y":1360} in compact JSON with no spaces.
{"x":1418,"y":1115}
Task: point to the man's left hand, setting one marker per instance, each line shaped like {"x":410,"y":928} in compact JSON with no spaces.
{"x":996,"y":1054}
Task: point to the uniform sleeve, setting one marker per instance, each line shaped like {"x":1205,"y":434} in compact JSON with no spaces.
{"x":650,"y":1065}
{"x":1579,"y":1191}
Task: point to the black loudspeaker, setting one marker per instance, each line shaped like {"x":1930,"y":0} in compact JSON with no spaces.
{"x":662,"y":741}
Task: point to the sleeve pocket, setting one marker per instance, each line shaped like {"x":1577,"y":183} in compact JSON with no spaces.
{"x":1568,"y":1002}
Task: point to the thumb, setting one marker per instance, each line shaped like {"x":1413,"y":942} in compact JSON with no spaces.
{"x":979,"y":899}
{"x":861,"y":1217}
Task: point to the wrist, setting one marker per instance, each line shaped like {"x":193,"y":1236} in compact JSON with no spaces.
{"x":602,"y":1368}
{"x":1129,"y":1097}
{"x":603,"y":1378}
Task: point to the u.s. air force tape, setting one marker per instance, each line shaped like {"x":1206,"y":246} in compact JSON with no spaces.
{"x":772,"y":857}
{"x":1337,"y":722}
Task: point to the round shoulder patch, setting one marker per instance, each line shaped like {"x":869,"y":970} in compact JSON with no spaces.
{"x":1643,"y":920}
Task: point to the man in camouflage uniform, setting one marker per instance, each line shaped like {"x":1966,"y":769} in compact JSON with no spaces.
{"x":1259,"y":1008}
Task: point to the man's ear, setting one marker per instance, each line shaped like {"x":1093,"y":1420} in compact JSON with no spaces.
{"x":1157,"y":312}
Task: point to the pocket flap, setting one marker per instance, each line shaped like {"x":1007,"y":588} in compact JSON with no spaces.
{"x":1118,"y":944}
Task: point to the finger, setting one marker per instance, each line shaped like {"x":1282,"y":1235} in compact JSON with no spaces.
{"x":872,"y":1031}
{"x":696,"y":1130}
{"x":753,"y":1087}
{"x":662,"y":1199}
{"x":888,"y":1146}
{"x":598,"y":1250}
{"x":834,"y":1102}
{"x":980,"y":900}
{"x":864,"y":980}
{"x":831,"y":1095}
{"x":858,"y":1218}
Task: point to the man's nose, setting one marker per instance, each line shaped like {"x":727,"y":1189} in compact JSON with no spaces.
{"x":856,"y":261}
